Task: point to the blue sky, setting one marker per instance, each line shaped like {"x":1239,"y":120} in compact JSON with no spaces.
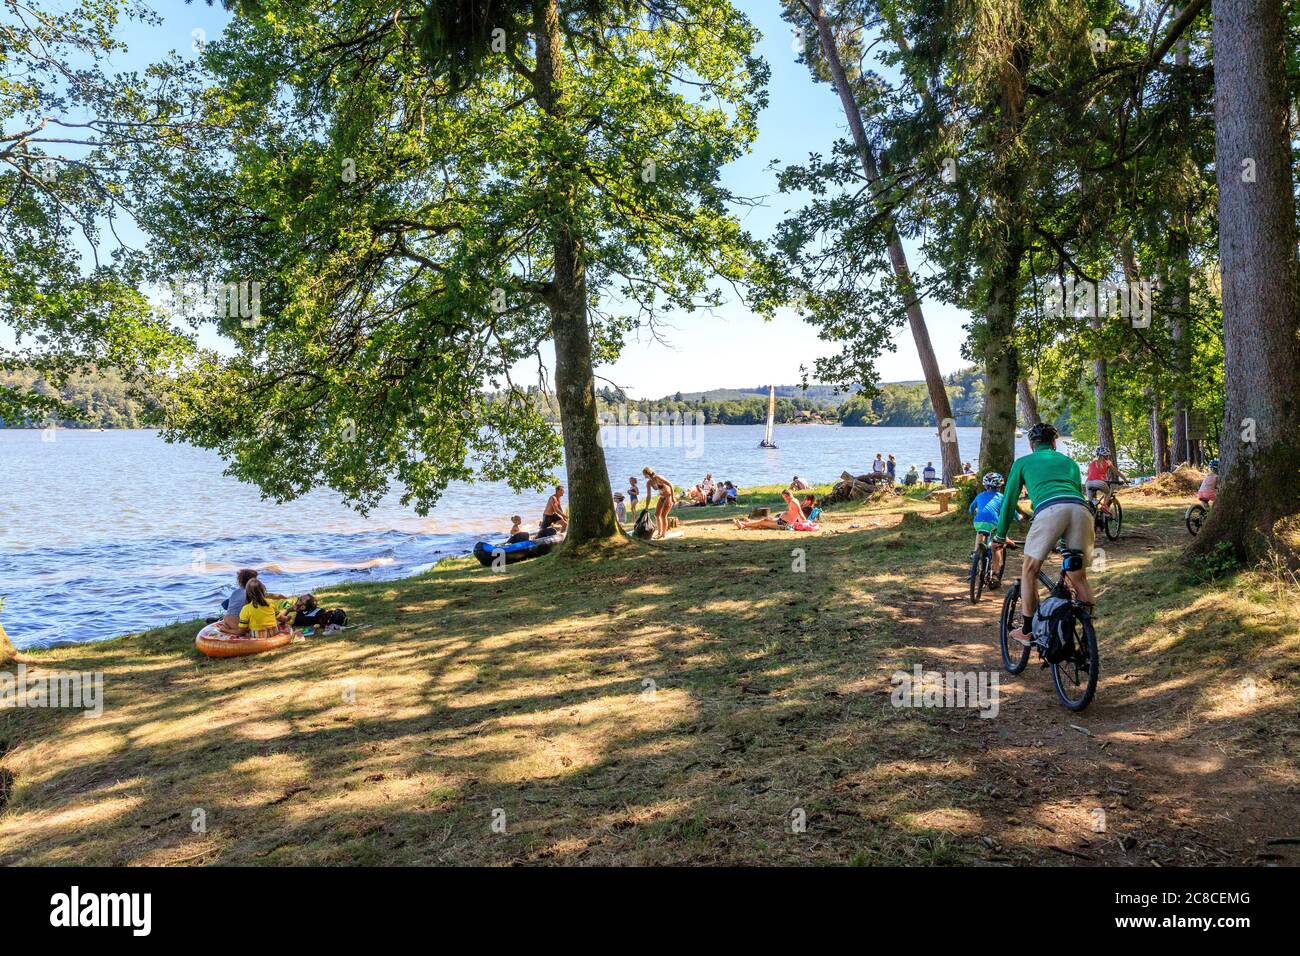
{"x":736,"y":348}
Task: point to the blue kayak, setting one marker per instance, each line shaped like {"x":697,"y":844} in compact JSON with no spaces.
{"x":521,"y":551}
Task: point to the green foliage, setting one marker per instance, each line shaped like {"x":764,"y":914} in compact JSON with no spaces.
{"x":72,"y":135}
{"x":403,"y":227}
{"x":1219,"y":562}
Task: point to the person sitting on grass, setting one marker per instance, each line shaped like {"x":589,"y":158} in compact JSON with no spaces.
{"x":517,"y":532}
{"x":809,"y":505}
{"x":258,"y":617}
{"x":719,"y":494}
{"x":781,"y":522}
{"x":799,"y":484}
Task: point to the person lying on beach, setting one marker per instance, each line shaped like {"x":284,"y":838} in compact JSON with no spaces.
{"x":667,"y":498}
{"x":258,"y":616}
{"x":554,"y":512}
{"x":517,"y":532}
{"x":782,"y":521}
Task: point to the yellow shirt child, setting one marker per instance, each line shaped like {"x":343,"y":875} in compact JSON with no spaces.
{"x":257,"y":618}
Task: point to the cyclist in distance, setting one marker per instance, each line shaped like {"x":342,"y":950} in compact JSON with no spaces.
{"x":1060,"y":511}
{"x":1101,"y":472}
{"x":986,"y":508}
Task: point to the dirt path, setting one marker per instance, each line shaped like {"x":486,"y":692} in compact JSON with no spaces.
{"x":1129,"y":780}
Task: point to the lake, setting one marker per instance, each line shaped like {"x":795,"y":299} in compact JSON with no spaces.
{"x":102,"y":533}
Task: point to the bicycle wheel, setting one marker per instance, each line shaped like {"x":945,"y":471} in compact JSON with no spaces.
{"x":1014,"y":655}
{"x":1194,"y":519}
{"x":1076,"y":676}
{"x":1114,"y":520}
{"x":978,"y":570}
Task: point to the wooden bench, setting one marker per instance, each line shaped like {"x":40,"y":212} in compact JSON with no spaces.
{"x":943,"y":496}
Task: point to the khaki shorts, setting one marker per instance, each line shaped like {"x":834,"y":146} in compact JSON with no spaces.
{"x":1074,"y":522}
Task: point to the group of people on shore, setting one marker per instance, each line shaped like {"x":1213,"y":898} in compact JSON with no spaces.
{"x":251,"y":611}
{"x":887,"y":470}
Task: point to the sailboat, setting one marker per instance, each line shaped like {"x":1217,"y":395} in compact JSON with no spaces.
{"x":768,"y":441}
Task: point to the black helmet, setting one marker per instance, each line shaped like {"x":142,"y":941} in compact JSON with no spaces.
{"x":1043,"y":433}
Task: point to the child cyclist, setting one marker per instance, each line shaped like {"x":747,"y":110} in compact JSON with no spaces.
{"x":985,"y":508}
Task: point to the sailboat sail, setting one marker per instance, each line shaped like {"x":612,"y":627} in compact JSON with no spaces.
{"x":767,"y":441}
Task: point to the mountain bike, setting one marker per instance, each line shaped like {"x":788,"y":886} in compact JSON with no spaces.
{"x":1075,"y":676}
{"x":1108,"y":520}
{"x":981,"y":566}
{"x":1195,"y":517}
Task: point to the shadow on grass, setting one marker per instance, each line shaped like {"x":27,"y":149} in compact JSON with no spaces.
{"x":700,"y":700}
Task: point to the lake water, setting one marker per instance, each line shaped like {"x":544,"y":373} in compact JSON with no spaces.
{"x":102,"y":533}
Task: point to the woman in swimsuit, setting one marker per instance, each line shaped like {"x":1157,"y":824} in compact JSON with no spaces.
{"x":667,"y":498}
{"x":782,"y":521}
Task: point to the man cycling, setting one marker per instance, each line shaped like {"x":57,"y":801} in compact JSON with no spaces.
{"x":1060,"y":511}
{"x":1101,"y":472}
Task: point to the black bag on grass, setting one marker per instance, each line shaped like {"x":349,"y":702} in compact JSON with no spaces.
{"x":645,"y":526}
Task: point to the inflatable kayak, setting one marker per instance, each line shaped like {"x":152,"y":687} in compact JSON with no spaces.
{"x":215,"y":642}
{"x":521,"y":551}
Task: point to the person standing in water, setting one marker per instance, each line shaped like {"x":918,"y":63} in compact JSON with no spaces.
{"x":667,"y":498}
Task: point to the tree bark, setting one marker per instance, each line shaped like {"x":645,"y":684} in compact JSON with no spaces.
{"x":591,"y":504}
{"x":1181,"y":300}
{"x":1159,"y":435}
{"x":1260,"y":446}
{"x":1105,"y":424}
{"x":1028,"y":403}
{"x":996,"y":337}
{"x":939,"y":403}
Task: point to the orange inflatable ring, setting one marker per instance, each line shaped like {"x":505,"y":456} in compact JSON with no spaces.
{"x":215,"y":642}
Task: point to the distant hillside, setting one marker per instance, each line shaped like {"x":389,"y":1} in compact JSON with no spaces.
{"x":827,"y":395}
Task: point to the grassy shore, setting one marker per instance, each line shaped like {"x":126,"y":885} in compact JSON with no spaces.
{"x":693,"y":701}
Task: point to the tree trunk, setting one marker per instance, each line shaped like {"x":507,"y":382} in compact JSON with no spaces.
{"x":948,"y":451}
{"x":1159,"y":435}
{"x":1028,"y":404}
{"x":1260,"y":446}
{"x":1105,"y":424}
{"x":591,"y":504}
{"x":1001,"y":364}
{"x":1181,"y":300}
{"x":995,"y":336}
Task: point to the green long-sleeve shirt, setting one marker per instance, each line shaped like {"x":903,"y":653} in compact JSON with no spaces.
{"x":1048,"y":476}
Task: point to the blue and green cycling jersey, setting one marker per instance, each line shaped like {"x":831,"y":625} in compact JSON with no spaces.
{"x":1048,"y":476}
{"x":986,"y":506}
